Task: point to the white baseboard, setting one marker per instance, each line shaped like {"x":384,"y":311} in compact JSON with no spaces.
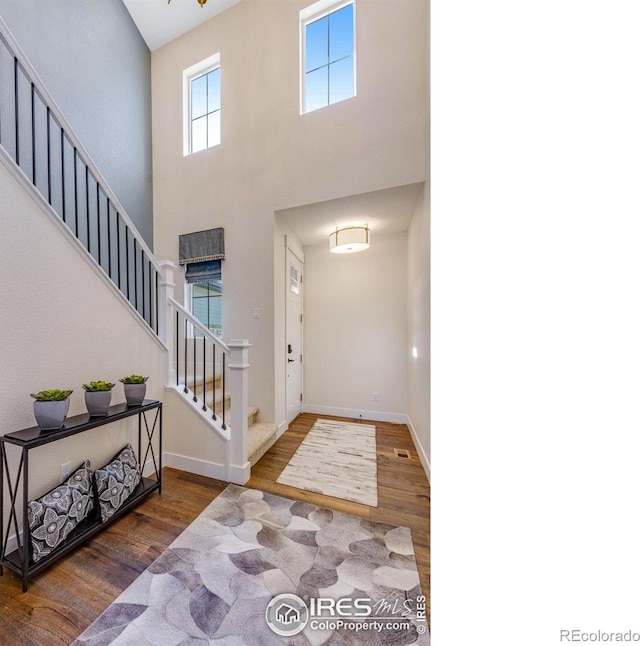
{"x":373,"y":415}
{"x":422,"y":454}
{"x":194,"y":465}
{"x":282,"y":427}
{"x":149,"y":468}
{"x":376,"y":416}
{"x":238,"y":474}
{"x":12,"y":543}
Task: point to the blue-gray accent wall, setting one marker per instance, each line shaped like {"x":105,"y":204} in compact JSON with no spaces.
{"x":97,"y":67}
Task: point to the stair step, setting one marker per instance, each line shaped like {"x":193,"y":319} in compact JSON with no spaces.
{"x":209,"y":380}
{"x":262,"y":437}
{"x":252,"y":411}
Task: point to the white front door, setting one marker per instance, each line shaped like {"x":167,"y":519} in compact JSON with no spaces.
{"x":293,"y":354}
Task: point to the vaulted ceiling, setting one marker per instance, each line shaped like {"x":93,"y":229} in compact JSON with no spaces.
{"x":160,"y":22}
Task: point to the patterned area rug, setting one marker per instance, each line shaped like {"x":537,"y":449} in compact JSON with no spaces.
{"x":336,"y":459}
{"x":216,"y":581}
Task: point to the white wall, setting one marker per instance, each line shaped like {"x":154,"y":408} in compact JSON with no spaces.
{"x":419,"y":274}
{"x":356,"y":328}
{"x":188,"y":444}
{"x":60,"y":327}
{"x":273,"y":158}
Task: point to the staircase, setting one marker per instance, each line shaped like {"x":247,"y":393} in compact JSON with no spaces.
{"x":261,"y":435}
{"x":43,"y":153}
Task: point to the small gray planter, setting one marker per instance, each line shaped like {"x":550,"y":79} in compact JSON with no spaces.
{"x":51,"y":415}
{"x":134,"y":393}
{"x":97,"y":402}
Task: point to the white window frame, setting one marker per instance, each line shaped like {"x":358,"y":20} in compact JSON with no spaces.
{"x":188,"y":300}
{"x":310,"y":14}
{"x":198,"y":69}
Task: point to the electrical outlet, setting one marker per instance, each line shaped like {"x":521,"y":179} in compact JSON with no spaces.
{"x":375,"y":397}
{"x":65,"y":471}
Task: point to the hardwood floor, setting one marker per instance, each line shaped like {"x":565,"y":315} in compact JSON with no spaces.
{"x":403,"y":489}
{"x":63,"y":600}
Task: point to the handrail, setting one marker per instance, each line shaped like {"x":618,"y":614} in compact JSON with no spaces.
{"x":13,"y":46}
{"x":198,"y":325}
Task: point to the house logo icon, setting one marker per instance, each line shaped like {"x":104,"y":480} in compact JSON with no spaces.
{"x":287,"y":615}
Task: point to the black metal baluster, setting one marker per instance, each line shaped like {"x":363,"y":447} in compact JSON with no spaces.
{"x":33,"y":134}
{"x":109,"y":235}
{"x":98,"y":218}
{"x":204,"y":373}
{"x":49,"y":154}
{"x":118,"y":248}
{"x":86,"y":197}
{"x":64,"y":192}
{"x":126,"y":250}
{"x":177,"y":349}
{"x":186,"y":390}
{"x":224,"y":387}
{"x":195,"y":398}
{"x":144,"y":293}
{"x":16,"y":103}
{"x":75,"y":184}
{"x":135,"y":272}
{"x":1,"y":106}
{"x":214,"y":381}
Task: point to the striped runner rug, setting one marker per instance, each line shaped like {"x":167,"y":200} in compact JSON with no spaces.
{"x":336,"y":459}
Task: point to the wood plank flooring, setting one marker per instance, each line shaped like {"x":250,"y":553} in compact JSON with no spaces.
{"x":63,"y":600}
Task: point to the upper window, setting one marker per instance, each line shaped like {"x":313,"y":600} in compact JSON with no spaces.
{"x":328,"y":55}
{"x":202,"y":105}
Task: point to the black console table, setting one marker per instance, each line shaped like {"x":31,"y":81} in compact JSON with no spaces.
{"x":19,"y":560}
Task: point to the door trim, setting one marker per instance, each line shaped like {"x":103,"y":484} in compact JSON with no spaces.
{"x":295,"y":251}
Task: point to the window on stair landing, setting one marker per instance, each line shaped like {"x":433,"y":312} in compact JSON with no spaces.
{"x":206,"y":304}
{"x":327,"y":43}
{"x":202,"y":105}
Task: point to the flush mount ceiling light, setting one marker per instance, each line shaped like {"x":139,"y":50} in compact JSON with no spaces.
{"x":200,"y":2}
{"x":349,"y":239}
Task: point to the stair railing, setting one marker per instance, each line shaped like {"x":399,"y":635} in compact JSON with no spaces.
{"x":196,"y":358}
{"x":36,"y":138}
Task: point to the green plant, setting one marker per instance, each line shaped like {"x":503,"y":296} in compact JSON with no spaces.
{"x":134,"y":379}
{"x":53,"y":395}
{"x":97,"y":386}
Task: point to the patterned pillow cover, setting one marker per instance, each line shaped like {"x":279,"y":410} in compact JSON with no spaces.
{"x":53,"y":516}
{"x":116,"y":481}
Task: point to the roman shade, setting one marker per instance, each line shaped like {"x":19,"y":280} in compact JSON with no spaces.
{"x":202,"y":252}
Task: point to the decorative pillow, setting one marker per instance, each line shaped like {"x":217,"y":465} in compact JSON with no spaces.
{"x":116,"y":481}
{"x":53,"y":516}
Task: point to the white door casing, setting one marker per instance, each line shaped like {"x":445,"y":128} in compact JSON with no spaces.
{"x":293,"y":349}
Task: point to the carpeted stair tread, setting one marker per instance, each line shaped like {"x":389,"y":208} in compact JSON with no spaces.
{"x":262,"y":436}
{"x":209,"y":380}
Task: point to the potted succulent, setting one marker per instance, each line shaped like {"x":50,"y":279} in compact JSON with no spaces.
{"x":97,"y":397}
{"x":135,"y":388}
{"x":50,"y":408}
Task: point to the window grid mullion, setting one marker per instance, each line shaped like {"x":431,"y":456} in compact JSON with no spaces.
{"x":206,"y":111}
{"x":315,"y":69}
{"x":328,"y":54}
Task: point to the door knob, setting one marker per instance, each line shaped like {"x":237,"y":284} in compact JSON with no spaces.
{"x":290,"y":360}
